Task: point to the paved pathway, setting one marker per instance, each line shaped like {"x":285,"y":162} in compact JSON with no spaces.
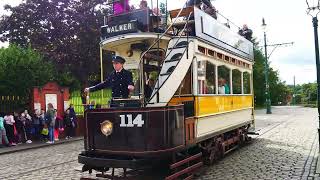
{"x":285,"y":149}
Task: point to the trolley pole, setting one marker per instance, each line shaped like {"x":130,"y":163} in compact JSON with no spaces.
{"x":316,"y":42}
{"x":266,"y":70}
{"x":294,"y":90}
{"x":313,"y":11}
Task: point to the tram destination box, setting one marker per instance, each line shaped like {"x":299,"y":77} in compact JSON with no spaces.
{"x":117,"y":29}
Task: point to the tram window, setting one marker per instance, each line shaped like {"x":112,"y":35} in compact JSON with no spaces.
{"x":223,"y":80}
{"x":246,"y":83}
{"x":236,"y":81}
{"x":135,"y":79}
{"x":185,"y":87}
{"x":150,"y":82}
{"x":206,"y":78}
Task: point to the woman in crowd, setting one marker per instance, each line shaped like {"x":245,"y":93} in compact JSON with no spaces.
{"x":50,"y":121}
{"x":28,"y":126}
{"x":19,"y":128}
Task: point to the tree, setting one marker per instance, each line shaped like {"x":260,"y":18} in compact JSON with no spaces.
{"x":64,"y":31}
{"x":21,"y":69}
{"x":278,"y":89}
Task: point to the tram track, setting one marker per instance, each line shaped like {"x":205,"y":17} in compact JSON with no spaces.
{"x":38,"y":169}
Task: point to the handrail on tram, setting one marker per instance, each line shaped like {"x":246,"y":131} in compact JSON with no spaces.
{"x":142,"y":56}
{"x":185,"y":26}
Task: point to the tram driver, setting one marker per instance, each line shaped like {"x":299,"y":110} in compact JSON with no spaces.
{"x":120,"y":80}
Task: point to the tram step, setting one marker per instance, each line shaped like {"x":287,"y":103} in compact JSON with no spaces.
{"x":172,"y":60}
{"x":180,"y":170}
{"x":253,"y":133}
{"x":165,"y":74}
{"x":177,"y":47}
{"x":176,"y":56}
{"x":181,"y":44}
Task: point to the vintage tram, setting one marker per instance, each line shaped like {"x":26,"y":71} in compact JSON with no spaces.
{"x":193,"y":99}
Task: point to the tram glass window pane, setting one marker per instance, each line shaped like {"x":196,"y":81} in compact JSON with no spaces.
{"x":223,"y":80}
{"x":201,"y":76}
{"x":246,"y":83}
{"x":185,"y":87}
{"x":135,"y":79}
{"x":206,"y":78}
{"x":210,"y":78}
{"x":151,"y":78}
{"x":236,"y":81}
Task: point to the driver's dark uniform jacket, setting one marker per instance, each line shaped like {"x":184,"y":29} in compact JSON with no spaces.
{"x":118,"y":82}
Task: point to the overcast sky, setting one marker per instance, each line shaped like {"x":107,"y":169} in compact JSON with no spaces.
{"x":286,"y":21}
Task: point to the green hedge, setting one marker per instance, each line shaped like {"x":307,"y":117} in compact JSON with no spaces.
{"x":94,"y":96}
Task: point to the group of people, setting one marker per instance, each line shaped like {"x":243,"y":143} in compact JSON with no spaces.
{"x":43,"y":125}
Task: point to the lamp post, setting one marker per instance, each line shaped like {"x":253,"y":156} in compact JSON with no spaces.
{"x":266,"y":68}
{"x":313,"y":11}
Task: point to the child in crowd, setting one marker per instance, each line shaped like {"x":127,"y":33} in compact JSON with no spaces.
{"x":43,"y":124}
{"x":9,"y":126}
{"x":36,"y":124}
{"x":58,"y":127}
{"x":69,"y":124}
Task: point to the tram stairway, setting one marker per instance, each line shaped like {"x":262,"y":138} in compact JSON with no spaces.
{"x":178,"y":59}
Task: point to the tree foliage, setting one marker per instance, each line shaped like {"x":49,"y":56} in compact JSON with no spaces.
{"x":279,"y":91}
{"x":305,"y":93}
{"x":21,"y":69}
{"x":64,"y":31}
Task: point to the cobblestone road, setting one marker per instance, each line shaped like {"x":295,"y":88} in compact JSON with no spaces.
{"x":285,"y":149}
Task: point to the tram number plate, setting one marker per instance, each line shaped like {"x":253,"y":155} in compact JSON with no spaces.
{"x":128,"y":121}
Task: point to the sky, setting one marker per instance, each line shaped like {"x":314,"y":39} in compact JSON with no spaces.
{"x":287,"y":21}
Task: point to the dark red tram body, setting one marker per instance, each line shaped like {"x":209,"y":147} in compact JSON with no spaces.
{"x":160,"y":136}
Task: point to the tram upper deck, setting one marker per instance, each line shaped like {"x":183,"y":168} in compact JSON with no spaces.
{"x":142,"y":28}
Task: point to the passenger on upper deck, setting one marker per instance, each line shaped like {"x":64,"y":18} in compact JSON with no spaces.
{"x":143,"y":4}
{"x":246,"y":32}
{"x":120,"y":6}
{"x":210,"y":10}
{"x":198,"y":3}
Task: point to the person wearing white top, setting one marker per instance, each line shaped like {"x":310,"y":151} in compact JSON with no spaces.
{"x":221,"y":88}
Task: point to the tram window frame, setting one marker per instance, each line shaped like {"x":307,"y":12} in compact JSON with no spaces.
{"x":236,"y":79}
{"x":183,"y":89}
{"x":224,"y":78}
{"x":203,"y":87}
{"x":245,"y":91}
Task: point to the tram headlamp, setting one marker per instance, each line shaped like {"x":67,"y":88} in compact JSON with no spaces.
{"x":106,"y":128}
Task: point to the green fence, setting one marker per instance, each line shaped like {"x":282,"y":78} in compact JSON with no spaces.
{"x":100,"y":97}
{"x":13,"y":103}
